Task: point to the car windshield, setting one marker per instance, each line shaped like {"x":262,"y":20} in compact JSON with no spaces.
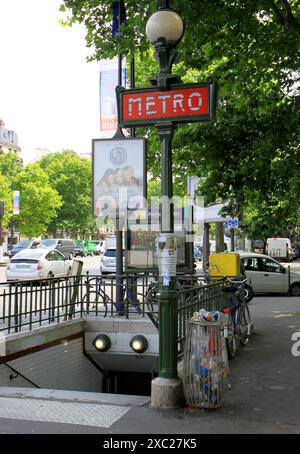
{"x":34,"y":254}
{"x":49,"y":243}
{"x":110,"y":253}
{"x":22,"y":244}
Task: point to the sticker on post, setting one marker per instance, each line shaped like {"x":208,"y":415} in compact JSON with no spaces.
{"x":167,"y":255}
{"x":166,"y":281}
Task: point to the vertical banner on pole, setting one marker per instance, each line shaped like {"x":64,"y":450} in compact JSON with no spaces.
{"x":108,"y":102}
{"x":16,"y":202}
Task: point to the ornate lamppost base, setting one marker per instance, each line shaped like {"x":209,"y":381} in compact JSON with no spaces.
{"x":167,"y":393}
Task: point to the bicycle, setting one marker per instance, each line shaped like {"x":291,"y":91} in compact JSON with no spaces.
{"x":96,"y":296}
{"x":152,"y":296}
{"x":130,"y":296}
{"x":238,"y":323}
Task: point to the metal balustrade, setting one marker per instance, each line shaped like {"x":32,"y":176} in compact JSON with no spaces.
{"x":29,"y":304}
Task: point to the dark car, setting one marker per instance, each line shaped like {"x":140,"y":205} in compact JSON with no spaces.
{"x":296,"y":248}
{"x":78,"y":249}
{"x":63,"y":245}
{"x":32,"y":244}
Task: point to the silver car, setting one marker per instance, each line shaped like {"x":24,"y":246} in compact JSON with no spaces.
{"x":266,"y":275}
{"x":108,"y":262}
{"x":32,"y":264}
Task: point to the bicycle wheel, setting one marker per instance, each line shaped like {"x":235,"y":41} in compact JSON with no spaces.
{"x":96,"y":301}
{"x":231,"y":337}
{"x":248,"y":293}
{"x":151,"y":300}
{"x":245,"y":324}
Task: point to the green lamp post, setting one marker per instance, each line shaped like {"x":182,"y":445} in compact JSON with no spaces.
{"x":164,"y":30}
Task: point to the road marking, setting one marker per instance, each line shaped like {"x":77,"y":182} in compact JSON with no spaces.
{"x":95,"y":415}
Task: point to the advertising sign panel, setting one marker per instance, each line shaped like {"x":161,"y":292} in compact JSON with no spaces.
{"x":16,"y":202}
{"x":108,"y":101}
{"x":119,"y":175}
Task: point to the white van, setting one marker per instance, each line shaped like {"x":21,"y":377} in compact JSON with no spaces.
{"x":279,"y":248}
{"x":110,"y":242}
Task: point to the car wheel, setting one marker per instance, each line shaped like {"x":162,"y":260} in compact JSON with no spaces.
{"x":295,"y":290}
{"x":50,"y":275}
{"x":248,"y":293}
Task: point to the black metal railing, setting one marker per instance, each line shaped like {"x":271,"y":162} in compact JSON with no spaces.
{"x":30,"y":304}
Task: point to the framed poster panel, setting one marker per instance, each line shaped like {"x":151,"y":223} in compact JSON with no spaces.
{"x":119,"y":175}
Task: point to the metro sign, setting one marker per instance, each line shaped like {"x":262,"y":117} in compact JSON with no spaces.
{"x":186,"y":103}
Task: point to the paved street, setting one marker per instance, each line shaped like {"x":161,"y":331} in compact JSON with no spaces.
{"x":264,"y":395}
{"x":92,"y":264}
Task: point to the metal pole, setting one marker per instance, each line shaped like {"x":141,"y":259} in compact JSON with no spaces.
{"x":132,"y":85}
{"x":219,"y":237}
{"x":190,"y":243}
{"x":232,"y":240}
{"x":167,"y":364}
{"x":205,"y":248}
{"x":1,"y":250}
{"x":11,"y":234}
{"x":0,"y":230}
{"x":119,"y":231}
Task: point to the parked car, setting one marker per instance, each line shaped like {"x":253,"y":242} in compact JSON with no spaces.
{"x":108,"y":262}
{"x":259,"y":245}
{"x":296,"y":247}
{"x":63,"y":245}
{"x":84,"y":248}
{"x":99,"y":246}
{"x":79,"y":249}
{"x":30,"y":244}
{"x":266,"y":275}
{"x":279,"y":248}
{"x":197,"y":253}
{"x":40,"y":263}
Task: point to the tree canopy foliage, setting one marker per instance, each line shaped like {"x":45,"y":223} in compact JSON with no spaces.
{"x":38,"y":201}
{"x":70,"y":176}
{"x":6,"y":198}
{"x":251,"y":153}
{"x":55,"y":194}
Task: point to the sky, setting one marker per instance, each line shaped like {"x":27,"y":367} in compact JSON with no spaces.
{"x":49,"y":94}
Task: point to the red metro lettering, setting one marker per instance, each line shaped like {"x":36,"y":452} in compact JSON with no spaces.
{"x":174,"y":103}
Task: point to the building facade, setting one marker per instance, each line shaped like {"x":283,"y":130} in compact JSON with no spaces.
{"x":9,"y":141}
{"x":9,"y":145}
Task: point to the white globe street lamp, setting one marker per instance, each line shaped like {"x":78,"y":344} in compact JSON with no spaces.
{"x":164,"y":30}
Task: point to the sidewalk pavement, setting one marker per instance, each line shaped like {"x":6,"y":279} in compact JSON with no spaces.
{"x":264,"y":397}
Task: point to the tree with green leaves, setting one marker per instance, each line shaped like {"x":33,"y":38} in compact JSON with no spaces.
{"x":39,"y":202}
{"x":9,"y":165}
{"x":6,"y":198}
{"x":71,"y":176}
{"x":251,"y":48}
